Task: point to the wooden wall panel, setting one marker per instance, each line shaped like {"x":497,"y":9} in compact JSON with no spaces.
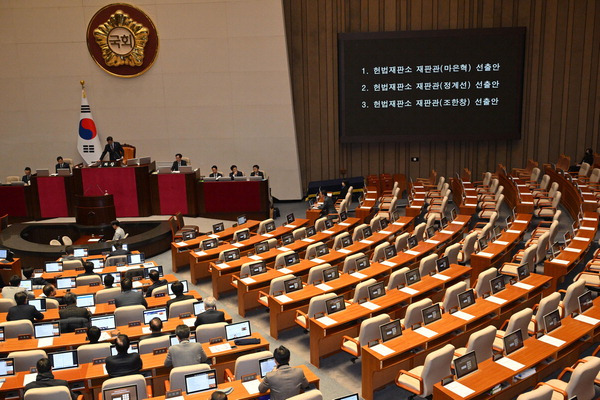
{"x":561,"y":89}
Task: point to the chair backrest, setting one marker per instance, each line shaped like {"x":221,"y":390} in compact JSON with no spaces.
{"x":313,"y":394}
{"x":452,"y":253}
{"x":595,"y":176}
{"x":487,"y":177}
{"x":111,"y":261}
{"x":280,"y":258}
{"x":483,"y":281}
{"x":436,"y":367}
{"x":277,"y":284}
{"x":104,"y":295}
{"x":397,"y":278}
{"x":86,"y":353}
{"x":344,"y":205}
{"x":177,"y":374}
{"x":5,"y":304}
{"x":138,"y":380}
{"x":430,"y":221}
{"x":584,"y":169}
{"x":485,"y":231}
{"x":248,"y":364}
{"x":48,"y":393}
{"x":413,"y":312}
{"x":67,"y":241}
{"x":541,"y":393}
{"x":181,"y":307}
{"x":187,"y":160}
{"x":350,"y":262}
{"x":361,"y":290}
{"x":317,"y":304}
{"x":12,"y":329}
{"x":87,"y":279}
{"x":451,"y":296}
{"x":402,"y":241}
{"x":535,"y":174}
{"x":55,"y":242}
{"x":51,"y":304}
{"x":239,"y":232}
{"x":581,"y":383}
{"x":208,"y":331}
{"x":124,"y":315}
{"x":375,"y":223}
{"x":369,"y":328}
{"x":25,"y":360}
{"x":556,"y":199}
{"x":311,"y":250}
{"x":482,"y":342}
{"x":147,"y":346}
{"x":262,"y":226}
{"x":529,"y":256}
{"x":299,"y":233}
{"x":542,"y":246}
{"x":12,"y":178}
{"x":553,"y":189}
{"x":379,"y":252}
{"x":494,"y":185}
{"x":520,"y":321}
{"x":358,"y":233}
{"x":499,"y":202}
{"x":546,"y":305}
{"x":337,"y":242}
{"x":70,"y":324}
{"x":545,"y":182}
{"x":494,"y":218}
{"x":72,"y":264}
{"x":420,"y":231}
{"x":316,"y":273}
{"x":320,"y":224}
{"x":553,"y":231}
{"x":570,"y":302}
{"x":428,"y":264}
{"x":468,"y":246}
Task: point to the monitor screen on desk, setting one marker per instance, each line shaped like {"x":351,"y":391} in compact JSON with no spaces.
{"x":328,"y":224}
{"x":412,"y":241}
{"x":349,"y":397}
{"x":188,"y":235}
{"x":86,"y":300}
{"x":39,"y":304}
{"x":135,"y":258}
{"x":290,"y":218}
{"x":390,"y":330}
{"x":238,"y":330}
{"x":199,"y":307}
{"x":430,"y":232}
{"x":157,"y":268}
{"x":343,"y":216}
{"x":3,"y":254}
{"x":431,"y":314}
{"x":266,"y":365}
{"x":160,"y":313}
{"x":115,"y":275}
{"x":200,"y":381}
{"x":523,"y":271}
{"x":231,"y":255}
{"x":442,"y":264}
{"x":362,"y":263}
{"x":551,"y":321}
{"x":208,"y":244}
{"x":7,"y":366}
{"x":270,"y":227}
{"x":121,"y":393}
{"x":64,"y":359}
{"x":292,"y":285}
{"x":585,"y":301}
{"x":291,"y":259}
{"x":444,"y":222}
{"x":80,"y":252}
{"x":242,"y":235}
{"x":367,"y":232}
{"x":46,"y":329}
{"x":346,"y":241}
{"x":133,"y":348}
{"x":330,"y":274}
{"x":261,"y":247}
{"x":390,"y":252}
{"x":322,"y":250}
{"x":105,"y":322}
{"x":286,"y":239}
{"x":412,"y":276}
{"x":497,"y":284}
{"x":54,"y":266}
{"x":241,"y":220}
{"x":173,"y":339}
{"x":453,"y":214}
{"x":384,"y":223}
{"x":170,"y":287}
{"x":257,"y":268}
{"x":376,"y":290}
{"x":466,"y":299}
{"x":220,"y":227}
{"x":483,"y":243}
{"x":66,"y":283}
{"x":26,"y":284}
{"x":98,"y":263}
{"x":311,"y":231}
{"x":513,"y":342}
{"x":466,"y":364}
{"x":335,"y":305}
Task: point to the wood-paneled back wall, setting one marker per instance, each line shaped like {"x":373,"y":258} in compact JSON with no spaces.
{"x":561,"y":97}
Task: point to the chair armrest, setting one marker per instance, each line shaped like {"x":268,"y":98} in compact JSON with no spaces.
{"x":596,"y":351}
{"x":503,"y":326}
{"x":167,"y":385}
{"x":300,"y":313}
{"x":560,"y":391}
{"x":149,"y":390}
{"x":229,"y":377}
{"x":404,"y":372}
{"x":234,"y":280}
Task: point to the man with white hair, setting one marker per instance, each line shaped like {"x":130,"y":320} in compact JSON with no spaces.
{"x":210,"y":314}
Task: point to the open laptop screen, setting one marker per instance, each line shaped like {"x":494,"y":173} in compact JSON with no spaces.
{"x":292,"y":285}
{"x":64,"y":359}
{"x":257,"y":268}
{"x":362,"y":263}
{"x":442,"y":264}
{"x":497,"y":284}
{"x":105,"y":322}
{"x":160,"y":313}
{"x":523,"y":271}
{"x":208,"y":244}
{"x":376,"y":290}
{"x":412,"y":241}
{"x":291,"y":259}
{"x":241,"y":220}
{"x":266,"y":365}
{"x":220,"y":227}
{"x":133,"y":348}
{"x":65,"y":283}
{"x":466,"y":299}
{"x":349,"y":397}
{"x":135,"y":258}
{"x":80,"y":252}
{"x":199,"y":307}
{"x":39,"y":304}
{"x":7,"y":366}
{"x":412,"y":276}
{"x":431,"y":314}
{"x":170,"y":289}
{"x":173,"y":339}
{"x":46,"y":329}
{"x":53,"y":266}
{"x":261,"y":247}
{"x":85,"y":300}
{"x":322,"y":250}
{"x":390,"y":251}
{"x":238,"y":330}
{"x":200,"y":381}
{"x":330,"y":274}
{"x":231,"y":255}
{"x":290,"y":218}
{"x":346,"y":241}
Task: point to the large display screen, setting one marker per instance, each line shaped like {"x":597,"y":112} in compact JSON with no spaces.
{"x":423,"y":85}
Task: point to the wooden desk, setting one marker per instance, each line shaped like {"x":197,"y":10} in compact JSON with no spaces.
{"x":226,"y":359}
{"x":410,"y":349}
{"x":226,"y":199}
{"x":54,"y":195}
{"x":8,"y":269}
{"x":312,"y":214}
{"x":17,"y":201}
{"x":467,"y":192}
{"x":517,"y":195}
{"x":366,"y":208}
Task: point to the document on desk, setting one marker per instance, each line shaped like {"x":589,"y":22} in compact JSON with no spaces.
{"x":385,"y":232}
{"x":459,"y":389}
{"x":500,"y":242}
{"x":255,"y":257}
{"x":484,"y":254}
{"x":92,"y":309}
{"x":248,"y":280}
{"x":237,"y":244}
{"x":327,"y":321}
{"x":409,"y":290}
{"x":398,"y":223}
{"x":200,"y":253}
{"x":523,"y":286}
{"x":441,"y":277}
{"x":282,"y":298}
{"x":105,"y":336}
{"x":290,"y":226}
{"x":358,"y":275}
{"x":370,"y":306}
{"x":308,"y":240}
{"x":284,"y":249}
{"x":520,"y":221}
{"x":513,"y":231}
{"x":365,"y":241}
{"x":345,"y":251}
{"x":589,"y":219}
{"x":220,"y":347}
{"x":146,"y":330}
{"x":212,"y":235}
{"x":29,"y":378}
{"x":587,"y":320}
{"x":412,"y":253}
{"x":495,"y":299}
{"x":344,"y":224}
{"x":251,"y":386}
{"x":94,"y":240}
{"x":582,"y":239}
{"x":510,"y":364}
{"x":223,"y":265}
{"x":463,"y":315}
{"x":563,"y":262}
{"x":428,"y":333}
{"x":447,"y":232}
{"x":267,"y":235}
{"x":324,"y":287}
{"x":45,"y":342}
{"x":572,"y":250}
{"x":365,"y":207}
{"x":388,"y":263}
{"x":457,"y":222}
{"x":317,"y":260}
{"x":328,"y":232}
{"x":432,"y":241}
{"x":285,"y":270}
{"x":382,"y":349}
{"x":180,"y":244}
{"x":552,"y":340}
{"x":189,"y":321}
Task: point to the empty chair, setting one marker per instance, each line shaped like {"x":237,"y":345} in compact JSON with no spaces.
{"x":483,"y":281}
{"x":241,"y":232}
{"x":539,"y":393}
{"x":546,"y":198}
{"x":452,"y":253}
{"x":450,"y":301}
{"x":25,"y":360}
{"x":111,"y":261}
{"x":379,"y":252}
{"x":481,"y":342}
{"x":55,"y":242}
{"x":51,"y":304}
{"x":104,"y":295}
{"x":313,"y":394}
{"x":86,"y":353}
{"x":570,"y":303}
{"x":401,"y":242}
{"x":546,"y":305}
{"x":320,"y":224}
{"x":88,"y":279}
{"x":206,"y":332}
{"x":246,"y":365}
{"x":397,"y":278}
{"x":181,"y":307}
{"x":143,"y":391}
{"x":337,"y":242}
{"x":147,"y":346}
{"x":487,"y":211}
{"x":311,"y":250}
{"x":49,"y":393}
{"x":72,"y":264}
{"x":6,"y":304}
{"x":315,"y":274}
{"x":280,"y":259}
{"x":581,"y":384}
{"x":429,"y":221}
{"x":369,"y":331}
{"x":518,"y":321}
{"x":177,"y":375}
{"x":262,"y":226}
{"x":528,"y":258}
{"x":437,"y":212}
{"x":12,"y":329}
{"x":12,"y":178}
{"x":316,"y":306}
{"x":361,"y":290}
{"x":376,"y":223}
{"x":420,"y":380}
{"x":124,"y":315}
{"x":182,"y":225}
{"x":67,"y":241}
{"x":388,"y":211}
{"x":542,"y":188}
{"x":413,"y":313}
{"x":468,"y":248}
{"x":350,"y":262}
{"x":299,"y":233}
{"x":420,"y":231}
{"x":547,"y":211}
{"x":358,"y":233}
{"x":276,"y":287}
{"x":427,"y":266}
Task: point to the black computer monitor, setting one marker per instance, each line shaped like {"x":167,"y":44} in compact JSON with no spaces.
{"x":98,"y":262}
{"x":7,"y":367}
{"x":390,"y":252}
{"x":104,"y":322}
{"x":188,"y":234}
{"x":237,"y":330}
{"x":585,"y":301}
{"x":121,"y":393}
{"x":292,"y":285}
{"x":412,"y":241}
{"x":497,"y":231}
{"x":551,"y":321}
{"x":135,"y":258}
{"x":442,"y":264}
{"x":257,"y":268}
{"x":376,"y":290}
{"x":170,"y":287}
{"x":86,"y":300}
{"x":453,"y":214}
{"x":322,"y":250}
{"x":497,"y":284}
{"x":367,"y":232}
{"x":66,"y":283}
{"x":291,"y":259}
{"x":330,"y":274}
{"x":157,"y":268}
{"x":556,"y":249}
{"x":466,"y":299}
{"x":270,"y":226}
{"x":160,"y":313}
{"x":199,"y":307}
{"x":523,"y":271}
{"x":46,"y":329}
{"x":513,"y":342}
{"x":343,"y":216}
{"x":384,"y":223}
{"x":390,"y":330}
{"x":80,"y":252}
{"x":346,"y":240}
{"x":54,"y":266}
{"x":286,"y":239}
{"x":208,"y":244}
{"x":261,"y":247}
{"x":64,"y":359}
{"x":290,"y":218}
{"x":328,"y":224}
{"x":444,"y":222}
{"x":361,"y":263}
{"x":116,"y":276}
{"x":266,"y":365}
{"x":241,"y":220}
{"x":431,"y":314}
{"x":200,"y":381}
{"x":430,"y":231}
{"x":335,"y":305}
{"x":39,"y":304}
{"x":220,"y":227}
{"x":483,"y":243}
{"x":311,"y":231}
{"x":242,"y":235}
{"x":231,"y":255}
{"x":465,"y":364}
{"x":412,"y":276}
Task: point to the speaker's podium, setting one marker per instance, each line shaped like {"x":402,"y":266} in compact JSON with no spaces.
{"x":95,"y":210}
{"x":128,"y":185}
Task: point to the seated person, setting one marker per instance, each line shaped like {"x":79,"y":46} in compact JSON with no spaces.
{"x":8,"y":292}
{"x":39,"y":282}
{"x":119,"y":232}
{"x":88,"y":267}
{"x":27,"y":177}
{"x":23,"y":310}
{"x":71,"y":310}
{"x":327,"y":207}
{"x":123,"y":364}
{"x":93,"y":334}
{"x":178,"y":162}
{"x":234,"y":172}
{"x":119,"y":250}
{"x":256,"y":171}
{"x":186,"y":352}
{"x":128,"y":297}
{"x":109,"y":281}
{"x":156,"y":282}
{"x":218,"y":395}
{"x":210,"y":314}
{"x":215,"y":172}
{"x":177,"y":288}
{"x":284,"y":381}
{"x":60,"y":164}
{"x":156,"y":326}
{"x":45,"y":378}
{"x":49,"y":292}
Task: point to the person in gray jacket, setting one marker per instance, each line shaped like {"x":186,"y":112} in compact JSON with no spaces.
{"x":284,"y":381}
{"x":186,"y":352}
{"x":128,"y":297}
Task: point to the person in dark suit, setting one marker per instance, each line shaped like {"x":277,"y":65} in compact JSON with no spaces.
{"x":60,"y":164}
{"x":256,"y":171}
{"x":114,"y":150}
{"x":284,"y":381}
{"x":344,"y":189}
{"x":327,"y":207}
{"x":119,"y":250}
{"x":50,"y":293}
{"x":123,"y":363}
{"x":234,"y":172}
{"x":178,"y":162}
{"x":28,"y":274}
{"x":156,"y":326}
{"x":23,"y":310}
{"x":185,"y":352}
{"x":210,"y":314}
{"x":215,"y":172}
{"x":27,"y":177}
{"x":156,"y":282}
{"x":88,"y":266}
{"x":14,"y":286}
{"x":128,"y":297}
{"x":218,"y":395}
{"x":45,"y":378}
{"x":93,"y":334}
{"x":177,"y":288}
{"x":109,"y":281}
{"x":71,"y":310}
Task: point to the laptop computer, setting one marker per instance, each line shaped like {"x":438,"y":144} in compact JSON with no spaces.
{"x":513,"y":342}
{"x":362,"y":263}
{"x":286,"y":239}
{"x":157,"y":268}
{"x":86,"y":300}
{"x":551,"y":321}
{"x":64,"y":359}
{"x":199,"y":307}
{"x":80,"y":252}
{"x":188,"y":235}
{"x":39,"y":304}
{"x":135,"y":258}
{"x":115,"y":275}
{"x":311,"y":231}
{"x":54,"y":266}
{"x":291,"y":259}
{"x":242,"y":235}
{"x":466,"y":299}
{"x":376,"y":290}
{"x":292,"y":285}
{"x":335,"y":305}
{"x":346,"y":241}
{"x":237,"y":330}
{"x":104,"y":322}
{"x":290,"y":218}
{"x":261,"y":247}
{"x":390,"y":252}
{"x":42,"y":172}
{"x":466,"y":364}
{"x":162,"y":170}
{"x":367,"y":232}
{"x":431,"y":314}
{"x":160,"y":313}
{"x":322,"y":250}
{"x":497,"y":284}
{"x":208,"y":244}
{"x":220,"y":227}
{"x":266,"y":365}
{"x":523,"y":271}
{"x":231,"y":255}
{"x":7,"y":367}
{"x":200,"y":381}
{"x":66,"y":283}
{"x":430,"y":232}
{"x":442,"y":264}
{"x":349,"y":397}
{"x":26,"y":283}
{"x":46,"y":329}
{"x":412,"y":241}
{"x":270,"y":227}
{"x":241,"y":220}
{"x":173,"y":339}
{"x":390,"y":330}
{"x":170,"y":287}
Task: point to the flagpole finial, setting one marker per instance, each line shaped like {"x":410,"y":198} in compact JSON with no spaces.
{"x":82,"y":83}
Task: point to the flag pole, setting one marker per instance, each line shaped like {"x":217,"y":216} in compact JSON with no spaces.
{"x":83,"y":89}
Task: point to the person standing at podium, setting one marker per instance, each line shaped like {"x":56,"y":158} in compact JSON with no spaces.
{"x":114,"y":150}
{"x":178,"y":162}
{"x":119,"y":232}
{"x":27,"y":177}
{"x":60,"y":164}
